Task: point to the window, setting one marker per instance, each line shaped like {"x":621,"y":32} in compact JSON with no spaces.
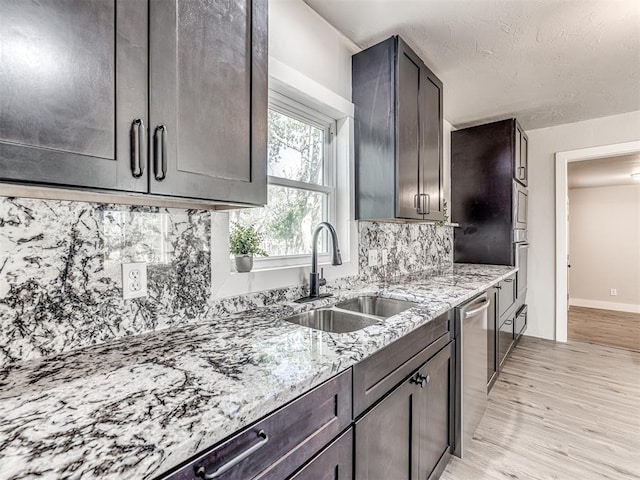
{"x":301,"y":189}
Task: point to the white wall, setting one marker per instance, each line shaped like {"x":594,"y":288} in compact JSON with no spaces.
{"x":301,"y":39}
{"x":543,"y":145}
{"x":604,"y":248}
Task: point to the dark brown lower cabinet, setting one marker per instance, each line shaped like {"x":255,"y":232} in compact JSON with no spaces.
{"x":408,"y":434}
{"x":334,"y":463}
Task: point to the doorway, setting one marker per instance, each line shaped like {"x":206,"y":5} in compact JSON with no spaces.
{"x":563,"y":159}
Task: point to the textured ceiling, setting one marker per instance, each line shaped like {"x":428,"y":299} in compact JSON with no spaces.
{"x":547,"y":62}
{"x":604,"y":172}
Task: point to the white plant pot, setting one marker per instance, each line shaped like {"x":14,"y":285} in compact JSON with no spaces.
{"x":244,"y":263}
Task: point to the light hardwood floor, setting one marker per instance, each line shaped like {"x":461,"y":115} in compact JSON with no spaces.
{"x":604,"y":327}
{"x":559,"y":411}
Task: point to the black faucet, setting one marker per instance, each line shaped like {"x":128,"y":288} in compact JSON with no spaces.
{"x":315,"y":278}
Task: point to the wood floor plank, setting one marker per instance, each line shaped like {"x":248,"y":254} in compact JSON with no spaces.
{"x":604,"y":327}
{"x":559,"y":412}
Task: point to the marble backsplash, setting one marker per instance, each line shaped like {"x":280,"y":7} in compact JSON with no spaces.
{"x":410,"y":248}
{"x":60,"y":274}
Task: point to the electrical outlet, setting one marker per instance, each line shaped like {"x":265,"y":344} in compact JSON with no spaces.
{"x":614,"y":292}
{"x":134,"y":280}
{"x":373,"y":258}
{"x":385,"y":256}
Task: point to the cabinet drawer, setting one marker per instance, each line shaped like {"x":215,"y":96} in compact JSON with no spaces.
{"x":334,"y":463}
{"x":505,"y":338}
{"x":378,"y":374}
{"x":520,"y":321}
{"x":506,"y":294}
{"x":279,"y":444}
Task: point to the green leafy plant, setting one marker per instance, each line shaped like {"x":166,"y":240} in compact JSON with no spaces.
{"x":245,"y":240}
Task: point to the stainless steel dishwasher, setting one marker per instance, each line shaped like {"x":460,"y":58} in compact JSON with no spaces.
{"x":471,"y":364}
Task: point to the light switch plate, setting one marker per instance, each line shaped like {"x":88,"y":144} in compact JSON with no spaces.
{"x":134,"y":280}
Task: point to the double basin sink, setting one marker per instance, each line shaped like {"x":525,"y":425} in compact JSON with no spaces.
{"x":351,"y":315}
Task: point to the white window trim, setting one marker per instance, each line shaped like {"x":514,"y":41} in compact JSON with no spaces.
{"x":294,"y":109}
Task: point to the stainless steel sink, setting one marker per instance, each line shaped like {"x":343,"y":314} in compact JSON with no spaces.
{"x":376,"y":306}
{"x":330,"y":320}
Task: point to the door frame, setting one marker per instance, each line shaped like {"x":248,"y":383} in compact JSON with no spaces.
{"x":562,"y":227}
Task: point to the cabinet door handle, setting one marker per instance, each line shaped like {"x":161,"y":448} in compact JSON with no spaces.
{"x":427,"y":210}
{"x":416,"y":202}
{"x":202,"y":471}
{"x":160,"y":152}
{"x":508,"y":322}
{"x":422,"y":380}
{"x":138,"y":145}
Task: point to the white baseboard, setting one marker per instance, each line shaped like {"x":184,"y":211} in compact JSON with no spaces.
{"x":618,"y":307}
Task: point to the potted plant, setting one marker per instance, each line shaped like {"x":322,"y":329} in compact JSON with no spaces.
{"x":244,"y":243}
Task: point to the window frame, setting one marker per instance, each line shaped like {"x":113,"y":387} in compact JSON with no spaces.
{"x":299,"y":111}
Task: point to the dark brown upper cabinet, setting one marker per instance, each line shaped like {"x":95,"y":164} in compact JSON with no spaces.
{"x":162,"y":97}
{"x":73,"y":93}
{"x":208,"y":108}
{"x":398,"y":134}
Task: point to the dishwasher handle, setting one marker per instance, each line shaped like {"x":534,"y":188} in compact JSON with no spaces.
{"x":481,"y":307}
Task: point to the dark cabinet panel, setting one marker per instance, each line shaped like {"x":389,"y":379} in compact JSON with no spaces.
{"x":431,"y":153}
{"x":408,"y":125}
{"x":505,"y":338}
{"x":493,"y":317}
{"x":408,"y":435}
{"x":507,"y":294}
{"x":73,"y":93}
{"x":435,"y":435}
{"x":386,"y":445}
{"x":522,"y":157}
{"x":208,"y":107}
{"x":520,"y":321}
{"x":334,"y":463}
{"x":399,"y":124}
{"x":278,"y":445}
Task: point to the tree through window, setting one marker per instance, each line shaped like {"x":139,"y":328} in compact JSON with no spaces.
{"x":301,"y":187}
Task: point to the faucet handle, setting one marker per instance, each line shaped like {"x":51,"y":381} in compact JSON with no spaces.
{"x":322,"y":281}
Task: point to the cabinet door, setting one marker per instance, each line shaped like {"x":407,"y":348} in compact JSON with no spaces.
{"x":73,"y":92}
{"x":524,"y":160}
{"x":431,"y":120}
{"x":208,"y":105}
{"x":384,"y":437}
{"x":334,"y":463}
{"x":505,"y":338}
{"x":492,"y":337}
{"x":408,"y":86}
{"x":435,"y":430}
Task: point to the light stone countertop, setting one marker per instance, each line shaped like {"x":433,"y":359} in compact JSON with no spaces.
{"x":138,"y":406}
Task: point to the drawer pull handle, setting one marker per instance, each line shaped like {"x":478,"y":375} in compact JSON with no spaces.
{"x":508,"y":280}
{"x":422,"y":380}
{"x":202,"y":471}
{"x":508,"y":322}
